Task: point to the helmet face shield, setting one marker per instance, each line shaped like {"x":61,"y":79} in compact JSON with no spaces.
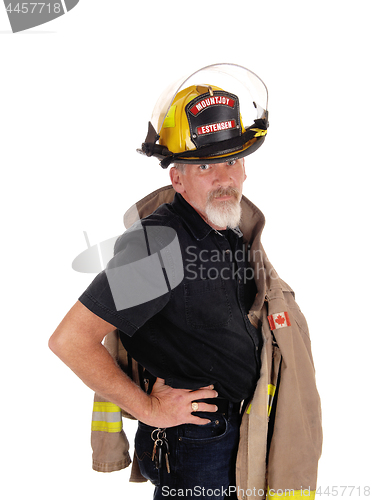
{"x":218,"y":112}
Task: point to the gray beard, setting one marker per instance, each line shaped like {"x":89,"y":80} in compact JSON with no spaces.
{"x":226,"y":213}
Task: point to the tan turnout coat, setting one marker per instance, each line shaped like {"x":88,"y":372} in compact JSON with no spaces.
{"x":289,"y":467}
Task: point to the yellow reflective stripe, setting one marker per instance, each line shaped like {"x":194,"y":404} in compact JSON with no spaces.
{"x":106,"y":407}
{"x":107,"y":426}
{"x":271,"y":392}
{"x":305,"y":494}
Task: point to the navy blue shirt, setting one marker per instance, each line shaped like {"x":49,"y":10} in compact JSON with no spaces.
{"x":179,"y":293}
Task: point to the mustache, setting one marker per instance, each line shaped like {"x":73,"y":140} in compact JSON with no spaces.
{"x":224,"y":191}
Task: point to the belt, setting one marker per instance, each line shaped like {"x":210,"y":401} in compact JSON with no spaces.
{"x":225,"y":407}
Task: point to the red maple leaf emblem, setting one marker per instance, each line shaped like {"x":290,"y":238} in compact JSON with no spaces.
{"x":280,"y":320}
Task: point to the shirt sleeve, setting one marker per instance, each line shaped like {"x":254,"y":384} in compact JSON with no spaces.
{"x":138,"y":280}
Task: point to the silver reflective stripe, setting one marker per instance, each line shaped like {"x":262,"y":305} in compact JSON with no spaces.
{"x":106,"y":417}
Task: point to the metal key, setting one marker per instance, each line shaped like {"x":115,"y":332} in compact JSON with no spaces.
{"x":154,"y":439}
{"x":158,"y":454}
{"x":153,"y":452}
{"x":166,"y":454}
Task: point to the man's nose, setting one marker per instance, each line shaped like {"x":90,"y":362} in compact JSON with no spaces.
{"x":223,"y":175}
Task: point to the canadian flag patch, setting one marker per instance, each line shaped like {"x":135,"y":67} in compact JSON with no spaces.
{"x":279,"y":320}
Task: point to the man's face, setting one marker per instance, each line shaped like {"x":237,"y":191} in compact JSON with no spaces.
{"x":214,"y":190}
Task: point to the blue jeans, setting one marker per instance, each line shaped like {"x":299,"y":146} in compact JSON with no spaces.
{"x":202,"y":459}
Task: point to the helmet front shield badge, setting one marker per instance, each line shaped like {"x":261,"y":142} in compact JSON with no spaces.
{"x":195,"y":122}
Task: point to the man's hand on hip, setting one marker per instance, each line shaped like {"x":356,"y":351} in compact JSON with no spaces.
{"x":169,"y":407}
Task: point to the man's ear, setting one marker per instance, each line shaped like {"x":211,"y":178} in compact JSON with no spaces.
{"x":176,"y":180}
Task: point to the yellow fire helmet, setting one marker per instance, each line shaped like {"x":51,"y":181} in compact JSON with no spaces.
{"x":197,"y":122}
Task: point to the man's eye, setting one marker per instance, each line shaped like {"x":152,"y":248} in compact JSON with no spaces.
{"x":204,"y":167}
{"x":231,"y":162}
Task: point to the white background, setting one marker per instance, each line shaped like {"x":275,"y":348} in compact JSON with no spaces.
{"x":76,"y":95}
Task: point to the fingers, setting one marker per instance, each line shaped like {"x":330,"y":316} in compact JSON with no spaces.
{"x":206,"y":392}
{"x":203,"y":394}
{"x":206,"y":407}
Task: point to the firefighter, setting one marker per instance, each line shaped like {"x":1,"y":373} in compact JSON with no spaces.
{"x":195,"y":302}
